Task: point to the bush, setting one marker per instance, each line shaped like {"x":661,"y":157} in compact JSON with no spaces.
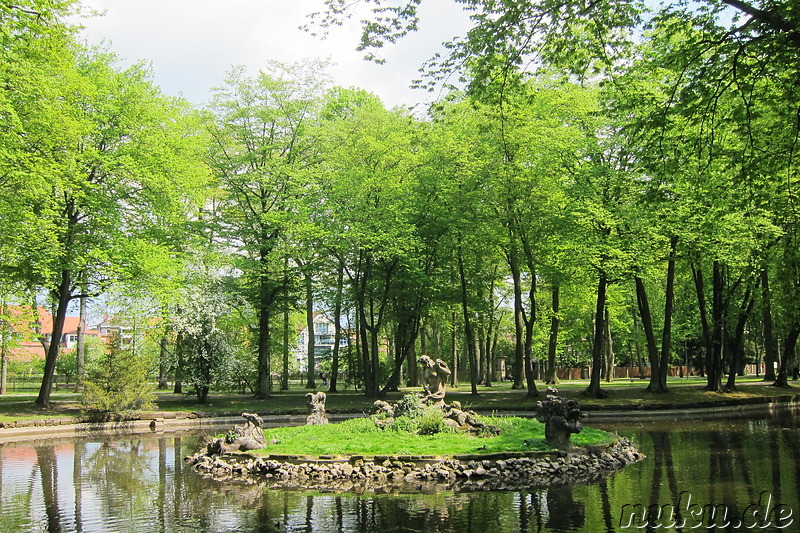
{"x":117,"y":382}
{"x":431,"y":421}
{"x":412,"y":417}
{"x":409,"y":405}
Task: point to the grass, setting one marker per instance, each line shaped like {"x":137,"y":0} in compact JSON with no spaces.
{"x":622,"y":394}
{"x":360,"y":436}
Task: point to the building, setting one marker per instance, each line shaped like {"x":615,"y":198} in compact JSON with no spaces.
{"x":28,"y":331}
{"x":324,"y":340}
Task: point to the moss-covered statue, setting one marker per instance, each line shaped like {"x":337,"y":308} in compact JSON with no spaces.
{"x":561,"y":418}
{"x":434,"y":380}
{"x":241,"y":438}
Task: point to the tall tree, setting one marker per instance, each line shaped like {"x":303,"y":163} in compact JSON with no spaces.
{"x":261,"y":152}
{"x":108,"y":161}
{"x":367,"y":164}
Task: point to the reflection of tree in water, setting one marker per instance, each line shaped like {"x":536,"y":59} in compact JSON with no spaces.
{"x":554,"y":508}
{"x":78,"y":450}
{"x":16,"y":507}
{"x":121,"y":474}
{"x":276,"y":510}
{"x":662,"y":461}
{"x":46,"y":457}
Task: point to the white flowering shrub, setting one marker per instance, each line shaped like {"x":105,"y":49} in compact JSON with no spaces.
{"x":203,"y":345}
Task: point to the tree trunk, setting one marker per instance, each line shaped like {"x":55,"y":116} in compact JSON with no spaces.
{"x":715,"y":370}
{"x":163,"y":360}
{"x":552,"y":346}
{"x":468,"y":331}
{"x":770,"y":346}
{"x":406,"y":338}
{"x":637,"y":346}
{"x":62,"y":297}
{"x":5,"y":330}
{"x":594,"y":390}
{"x":179,"y":346}
{"x":531,"y":366}
{"x":285,"y":361}
{"x":264,"y":372}
{"x":700,"y":289}
{"x":453,"y":351}
{"x":608,"y":349}
{"x":666,"y":336}
{"x":374,"y":354}
{"x":647,"y":324}
{"x":519,"y":320}
{"x":413,"y":371}
{"x":789,"y":345}
{"x":80,"y":350}
{"x":366,"y":360}
{"x":311,"y":334}
{"x":737,"y":346}
{"x":337,"y":330}
{"x":488,"y":355}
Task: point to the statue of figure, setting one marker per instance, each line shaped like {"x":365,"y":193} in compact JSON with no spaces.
{"x":316,"y":408}
{"x":561,"y":418}
{"x":241,"y":438}
{"x":434,"y":379}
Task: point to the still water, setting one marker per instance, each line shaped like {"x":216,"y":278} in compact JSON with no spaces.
{"x":746,"y":471}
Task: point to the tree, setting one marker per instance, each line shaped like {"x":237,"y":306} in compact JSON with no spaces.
{"x":367,"y":182}
{"x":108,"y":159}
{"x":201,"y":326}
{"x":261,"y":153}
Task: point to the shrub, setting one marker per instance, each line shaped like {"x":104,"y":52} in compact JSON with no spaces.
{"x":431,"y":421}
{"x":117,"y":382}
{"x":408,"y":406}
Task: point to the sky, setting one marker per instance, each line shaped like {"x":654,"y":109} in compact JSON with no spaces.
{"x":191,"y":44}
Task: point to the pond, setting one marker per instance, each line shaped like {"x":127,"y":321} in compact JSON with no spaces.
{"x":735,"y":474}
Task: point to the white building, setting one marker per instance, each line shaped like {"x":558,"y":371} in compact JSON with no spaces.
{"x":324,"y":340}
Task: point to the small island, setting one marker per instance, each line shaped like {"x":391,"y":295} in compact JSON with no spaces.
{"x":420,"y":443}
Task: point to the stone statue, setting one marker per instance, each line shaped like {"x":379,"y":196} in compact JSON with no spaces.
{"x":561,"y":418}
{"x":241,"y":438}
{"x":457,"y":418}
{"x":316,"y":408}
{"x":434,"y":379}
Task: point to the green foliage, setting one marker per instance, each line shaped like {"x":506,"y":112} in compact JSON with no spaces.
{"x":408,"y":406}
{"x":68,"y":360}
{"x":431,"y":420}
{"x":202,"y":341}
{"x":117,"y":383}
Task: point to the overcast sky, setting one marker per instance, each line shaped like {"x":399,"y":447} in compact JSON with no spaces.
{"x":192,"y":43}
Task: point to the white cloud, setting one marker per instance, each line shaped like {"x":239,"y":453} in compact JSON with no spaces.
{"x":191,"y":44}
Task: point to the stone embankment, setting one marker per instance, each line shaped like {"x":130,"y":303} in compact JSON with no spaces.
{"x":421,"y":473}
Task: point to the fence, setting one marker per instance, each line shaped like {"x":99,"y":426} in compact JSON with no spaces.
{"x":633,"y":372}
{"x":33,"y":382}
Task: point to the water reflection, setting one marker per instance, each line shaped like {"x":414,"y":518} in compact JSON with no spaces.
{"x":142,"y":485}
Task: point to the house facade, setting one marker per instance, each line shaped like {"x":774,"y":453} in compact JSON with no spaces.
{"x":28,"y":330}
{"x":324,"y":341}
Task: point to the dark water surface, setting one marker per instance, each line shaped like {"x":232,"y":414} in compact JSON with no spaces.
{"x":736,"y":475}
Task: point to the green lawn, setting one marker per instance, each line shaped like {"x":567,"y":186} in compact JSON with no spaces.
{"x":360,"y":436}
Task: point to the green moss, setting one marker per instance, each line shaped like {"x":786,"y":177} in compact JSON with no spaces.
{"x":360,"y":436}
